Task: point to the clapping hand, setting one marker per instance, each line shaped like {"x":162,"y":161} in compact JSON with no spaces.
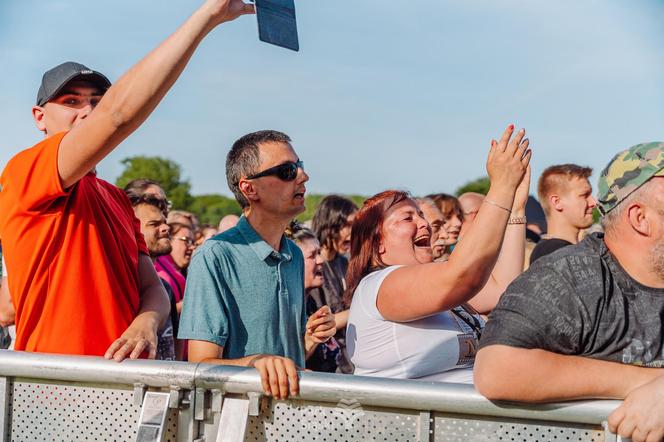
{"x":321,"y":325}
{"x":508,"y":161}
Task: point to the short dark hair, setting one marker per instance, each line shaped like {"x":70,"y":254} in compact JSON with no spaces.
{"x":135,"y":190}
{"x":150,"y":200}
{"x":330,"y":217}
{"x":243,"y":159}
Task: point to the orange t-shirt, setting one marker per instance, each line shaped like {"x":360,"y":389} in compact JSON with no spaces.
{"x":72,"y":255}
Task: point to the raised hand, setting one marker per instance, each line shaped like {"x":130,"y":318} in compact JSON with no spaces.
{"x":508,"y":160}
{"x":227,"y":10}
{"x":521,"y":195}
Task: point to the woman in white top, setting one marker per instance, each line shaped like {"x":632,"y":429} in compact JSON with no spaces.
{"x":408,"y":315}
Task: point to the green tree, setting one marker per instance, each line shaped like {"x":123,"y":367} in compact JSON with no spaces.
{"x":166,"y":172}
{"x":480,"y":185}
{"x":212,"y":207}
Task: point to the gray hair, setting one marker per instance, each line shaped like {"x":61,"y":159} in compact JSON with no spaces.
{"x":428,"y":201}
{"x":611,"y":219}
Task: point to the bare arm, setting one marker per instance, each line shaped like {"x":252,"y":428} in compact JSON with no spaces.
{"x":341,"y":319}
{"x":141,"y":335}
{"x":7,"y":312}
{"x":532,"y":375}
{"x":130,"y":101}
{"x":278,"y":374}
{"x":416,"y":291}
{"x":510,"y":260}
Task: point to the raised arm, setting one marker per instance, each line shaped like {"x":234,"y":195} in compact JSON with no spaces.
{"x":532,"y":375}
{"x":512,"y":254}
{"x":135,"y":95}
{"x":413,"y":292}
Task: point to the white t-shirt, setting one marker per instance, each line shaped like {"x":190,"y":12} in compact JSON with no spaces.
{"x":440,"y":347}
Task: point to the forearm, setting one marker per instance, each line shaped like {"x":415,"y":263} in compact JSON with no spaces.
{"x":476,"y":254}
{"x":155,"y":306}
{"x":309,"y":347}
{"x":129,"y":102}
{"x":508,"y":266}
{"x":500,"y":375}
{"x":341,"y":319}
{"x":246,"y":361}
{"x":7,"y":312}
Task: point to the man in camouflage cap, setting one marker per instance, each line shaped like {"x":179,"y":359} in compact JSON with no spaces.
{"x":587,"y":319}
{"x":629,"y":170}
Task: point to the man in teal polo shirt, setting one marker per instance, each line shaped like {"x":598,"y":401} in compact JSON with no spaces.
{"x":244,"y":299}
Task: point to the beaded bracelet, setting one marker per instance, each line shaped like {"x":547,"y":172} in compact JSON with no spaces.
{"x":517,"y":220}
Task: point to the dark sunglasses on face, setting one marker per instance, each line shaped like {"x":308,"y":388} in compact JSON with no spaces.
{"x":286,"y":171}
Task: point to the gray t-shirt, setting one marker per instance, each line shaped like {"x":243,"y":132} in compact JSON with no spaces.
{"x":580,"y":301}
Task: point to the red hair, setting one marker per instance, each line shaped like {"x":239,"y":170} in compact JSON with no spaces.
{"x":366,"y":235}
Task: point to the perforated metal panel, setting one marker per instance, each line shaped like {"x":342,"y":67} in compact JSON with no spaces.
{"x":448,"y":428}
{"x":52,"y":412}
{"x":321,"y":422}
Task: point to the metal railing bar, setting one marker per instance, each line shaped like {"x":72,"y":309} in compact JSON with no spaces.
{"x":406,"y":394}
{"x":96,"y":370}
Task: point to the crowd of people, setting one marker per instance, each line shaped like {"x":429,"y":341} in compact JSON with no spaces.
{"x":435,"y":288}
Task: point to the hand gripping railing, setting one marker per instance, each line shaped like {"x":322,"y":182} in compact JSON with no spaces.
{"x":224,"y":403}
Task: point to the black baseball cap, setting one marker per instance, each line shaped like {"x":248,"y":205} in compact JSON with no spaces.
{"x":55,"y":79}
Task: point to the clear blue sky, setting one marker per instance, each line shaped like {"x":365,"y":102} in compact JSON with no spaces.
{"x":382,"y":94}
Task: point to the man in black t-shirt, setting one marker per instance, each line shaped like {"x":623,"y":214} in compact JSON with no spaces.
{"x":566,"y":197}
{"x":586,"y":320}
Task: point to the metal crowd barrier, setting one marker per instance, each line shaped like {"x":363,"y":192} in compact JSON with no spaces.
{"x":58,"y":398}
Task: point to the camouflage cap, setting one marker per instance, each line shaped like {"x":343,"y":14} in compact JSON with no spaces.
{"x":627,"y":171}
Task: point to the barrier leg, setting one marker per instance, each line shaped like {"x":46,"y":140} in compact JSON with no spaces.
{"x":152,"y":421}
{"x":5,"y":385}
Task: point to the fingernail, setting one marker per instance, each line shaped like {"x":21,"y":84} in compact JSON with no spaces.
{"x":522,"y":131}
{"x":510,"y":127}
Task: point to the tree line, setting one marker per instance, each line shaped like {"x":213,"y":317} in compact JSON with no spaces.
{"x":210,"y":208}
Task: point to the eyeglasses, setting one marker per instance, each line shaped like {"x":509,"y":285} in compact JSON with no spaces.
{"x":186,"y":239}
{"x":285,"y":172}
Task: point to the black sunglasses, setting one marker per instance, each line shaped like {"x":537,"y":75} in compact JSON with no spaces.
{"x":286,"y":171}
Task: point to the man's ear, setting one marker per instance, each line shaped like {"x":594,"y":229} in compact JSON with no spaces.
{"x":248,"y":190}
{"x":555,"y":203}
{"x":39,"y":117}
{"x":636,"y":215}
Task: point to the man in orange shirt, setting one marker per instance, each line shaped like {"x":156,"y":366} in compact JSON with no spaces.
{"x":80,"y":276}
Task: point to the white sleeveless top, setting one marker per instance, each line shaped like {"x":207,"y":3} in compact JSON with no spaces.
{"x":440,"y":347}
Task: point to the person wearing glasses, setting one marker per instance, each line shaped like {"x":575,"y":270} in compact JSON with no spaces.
{"x":81,"y":281}
{"x":409,"y":316}
{"x":244,"y":302}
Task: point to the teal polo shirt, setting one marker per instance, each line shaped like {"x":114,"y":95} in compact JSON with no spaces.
{"x":245,"y":296}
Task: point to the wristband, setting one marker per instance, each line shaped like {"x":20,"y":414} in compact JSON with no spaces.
{"x":517,"y":220}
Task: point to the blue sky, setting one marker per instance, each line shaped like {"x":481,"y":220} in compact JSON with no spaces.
{"x":382,"y":94}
